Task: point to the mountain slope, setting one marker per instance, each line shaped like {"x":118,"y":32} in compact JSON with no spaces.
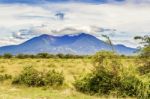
{"x":81,"y":44}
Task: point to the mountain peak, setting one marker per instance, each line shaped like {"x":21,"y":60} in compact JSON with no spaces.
{"x":80,"y":44}
{"x":84,"y":34}
{"x":45,"y":35}
{"x":66,"y":35}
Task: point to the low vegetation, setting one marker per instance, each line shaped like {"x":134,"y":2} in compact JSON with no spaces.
{"x":44,"y":56}
{"x":31,"y":77}
{"x":109,"y":77}
{"x":4,"y":77}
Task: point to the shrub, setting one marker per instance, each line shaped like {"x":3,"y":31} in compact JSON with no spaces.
{"x":144,"y":69}
{"x":143,"y":65}
{"x":100,"y":82}
{"x":60,"y":55}
{"x":109,"y":76}
{"x":31,"y":77}
{"x":7,"y":55}
{"x":2,"y":69}
{"x":53,"y":78}
{"x":145,"y":52}
{"x":22,"y":56}
{"x":43,"y":55}
{"x":105,"y":83}
{"x":135,"y":86}
{"x":5,"y":77}
{"x":104,"y":78}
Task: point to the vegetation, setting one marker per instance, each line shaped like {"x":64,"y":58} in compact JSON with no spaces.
{"x":144,"y":67}
{"x":109,"y":42}
{"x":128,"y":76}
{"x":5,"y":77}
{"x":31,"y":77}
{"x":7,"y":55}
{"x":145,"y":51}
{"x":104,"y":75}
{"x":109,"y":77}
{"x":70,"y":68}
{"x":43,"y":55}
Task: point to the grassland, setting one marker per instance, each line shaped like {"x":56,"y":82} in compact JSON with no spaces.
{"x":70,"y":68}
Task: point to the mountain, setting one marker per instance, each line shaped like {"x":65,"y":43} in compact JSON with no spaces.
{"x":81,"y":44}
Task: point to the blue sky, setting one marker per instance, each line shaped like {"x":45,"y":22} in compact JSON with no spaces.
{"x":21,"y":20}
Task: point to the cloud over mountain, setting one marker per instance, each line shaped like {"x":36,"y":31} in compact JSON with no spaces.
{"x":80,"y":44}
{"x":121,"y":21}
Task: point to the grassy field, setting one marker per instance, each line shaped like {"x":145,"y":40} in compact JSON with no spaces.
{"x":70,"y":68}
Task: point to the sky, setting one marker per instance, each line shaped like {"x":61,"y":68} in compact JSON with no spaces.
{"x":121,"y":20}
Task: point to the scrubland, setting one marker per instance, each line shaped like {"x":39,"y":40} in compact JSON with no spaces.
{"x":71,"y":69}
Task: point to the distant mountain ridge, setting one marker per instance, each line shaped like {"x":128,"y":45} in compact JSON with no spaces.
{"x":81,"y":44}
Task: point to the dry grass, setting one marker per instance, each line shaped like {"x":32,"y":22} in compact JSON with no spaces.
{"x":70,"y":68}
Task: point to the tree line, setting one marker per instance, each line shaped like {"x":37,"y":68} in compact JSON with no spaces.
{"x":43,"y":55}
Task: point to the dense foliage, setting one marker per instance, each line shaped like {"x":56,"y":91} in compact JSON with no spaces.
{"x":44,"y":55}
{"x":109,"y":77}
{"x":31,"y":77}
{"x":7,"y":55}
{"x":5,"y":77}
{"x":144,"y":56}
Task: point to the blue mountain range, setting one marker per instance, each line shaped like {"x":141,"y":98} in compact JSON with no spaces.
{"x":80,"y":44}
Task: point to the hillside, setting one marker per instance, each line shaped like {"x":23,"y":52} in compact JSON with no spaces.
{"x":80,"y":44}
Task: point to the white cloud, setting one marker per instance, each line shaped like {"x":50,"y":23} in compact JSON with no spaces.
{"x":129,"y":20}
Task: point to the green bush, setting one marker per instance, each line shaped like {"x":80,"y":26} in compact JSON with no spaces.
{"x":31,"y":77}
{"x":43,"y":55}
{"x":5,"y":77}
{"x":135,"y":86}
{"x":144,"y":69}
{"x":145,"y":52}
{"x":7,"y":55}
{"x":53,"y":78}
{"x":100,"y":82}
{"x":144,"y":66}
{"x":104,"y":78}
{"x":23,"y":56}
{"x":110,"y":77}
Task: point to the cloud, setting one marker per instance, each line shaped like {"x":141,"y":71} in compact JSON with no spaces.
{"x":116,"y":36}
{"x":35,"y":2}
{"x":9,"y":41}
{"x":30,"y":32}
{"x":121,"y":22}
{"x":54,"y":1}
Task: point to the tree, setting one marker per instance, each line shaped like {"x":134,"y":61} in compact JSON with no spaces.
{"x":145,"y":51}
{"x":7,"y":55}
{"x":21,"y":56}
{"x":144,"y":54}
{"x":109,"y":42}
{"x":144,"y":40}
{"x":43,"y":55}
{"x":60,"y":55}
